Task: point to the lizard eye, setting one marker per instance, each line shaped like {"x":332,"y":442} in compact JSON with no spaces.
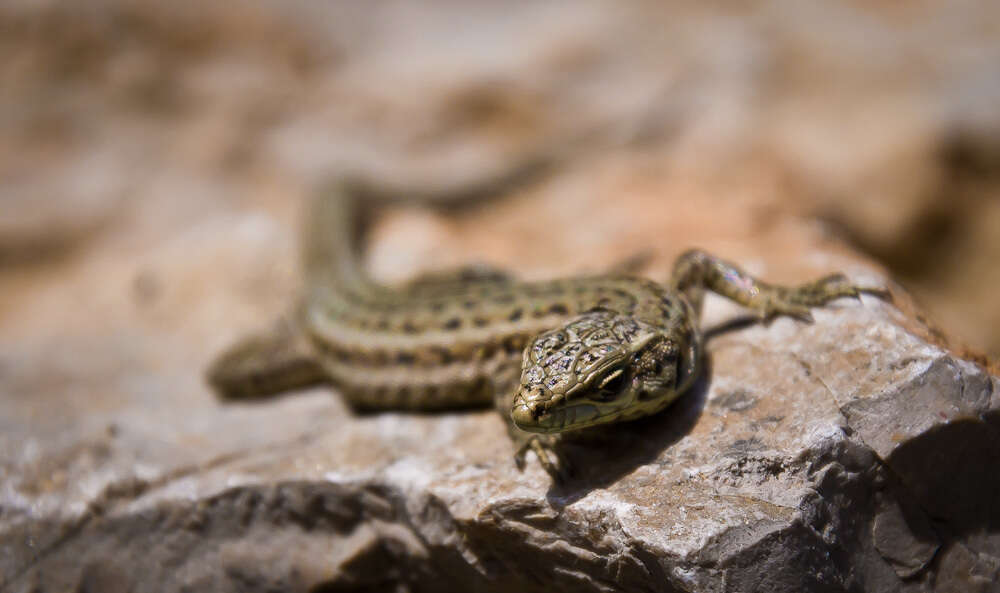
{"x":611,"y":384}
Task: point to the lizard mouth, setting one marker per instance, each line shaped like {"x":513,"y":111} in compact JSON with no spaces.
{"x":558,"y":420}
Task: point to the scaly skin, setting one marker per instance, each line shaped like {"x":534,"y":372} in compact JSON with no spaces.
{"x":551,"y":356}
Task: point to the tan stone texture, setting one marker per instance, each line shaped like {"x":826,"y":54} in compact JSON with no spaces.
{"x":153,"y":164}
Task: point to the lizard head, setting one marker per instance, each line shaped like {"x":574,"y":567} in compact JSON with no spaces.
{"x":598,"y":367}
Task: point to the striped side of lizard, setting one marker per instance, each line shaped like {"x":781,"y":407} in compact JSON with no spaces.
{"x":551,"y":356}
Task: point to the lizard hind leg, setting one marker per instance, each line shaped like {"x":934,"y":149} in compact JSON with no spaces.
{"x":267,"y":363}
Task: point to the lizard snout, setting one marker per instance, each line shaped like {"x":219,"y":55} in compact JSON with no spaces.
{"x":529,"y":405}
{"x":522,"y":415}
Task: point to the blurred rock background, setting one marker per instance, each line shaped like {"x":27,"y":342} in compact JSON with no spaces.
{"x":154,"y":157}
{"x":128,"y":123}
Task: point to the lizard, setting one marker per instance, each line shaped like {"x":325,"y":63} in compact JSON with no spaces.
{"x":553,"y":357}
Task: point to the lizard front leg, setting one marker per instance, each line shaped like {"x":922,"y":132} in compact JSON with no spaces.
{"x":505,"y":383}
{"x":697,"y":271}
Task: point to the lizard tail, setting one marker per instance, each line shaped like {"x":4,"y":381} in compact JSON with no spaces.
{"x":337,"y":221}
{"x":333,"y":234}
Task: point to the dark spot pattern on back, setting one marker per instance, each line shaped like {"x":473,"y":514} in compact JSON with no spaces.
{"x":514,"y":344}
{"x":486,"y":351}
{"x":442,"y":353}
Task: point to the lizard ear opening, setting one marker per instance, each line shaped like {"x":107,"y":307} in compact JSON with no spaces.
{"x":666,"y":378}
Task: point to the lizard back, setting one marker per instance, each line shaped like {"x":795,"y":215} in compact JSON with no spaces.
{"x":438,"y":341}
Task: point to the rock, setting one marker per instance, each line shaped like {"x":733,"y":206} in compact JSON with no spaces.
{"x":857,"y":453}
{"x":909,"y":553}
{"x":848,"y":454}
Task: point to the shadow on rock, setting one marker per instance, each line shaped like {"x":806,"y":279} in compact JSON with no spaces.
{"x":732,"y":325}
{"x":602,"y":455}
{"x":954,"y":472}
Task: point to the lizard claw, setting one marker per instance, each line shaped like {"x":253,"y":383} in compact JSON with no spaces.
{"x":837,"y":285}
{"x":769,"y":313}
{"x":882,"y":293}
{"x":800,"y":313}
{"x":519,"y":458}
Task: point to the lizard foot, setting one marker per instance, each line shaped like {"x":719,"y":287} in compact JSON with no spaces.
{"x":796,"y":302}
{"x":545,"y":450}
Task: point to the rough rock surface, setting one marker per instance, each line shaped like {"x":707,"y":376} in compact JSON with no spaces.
{"x":151,"y":169}
{"x":849,"y":454}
